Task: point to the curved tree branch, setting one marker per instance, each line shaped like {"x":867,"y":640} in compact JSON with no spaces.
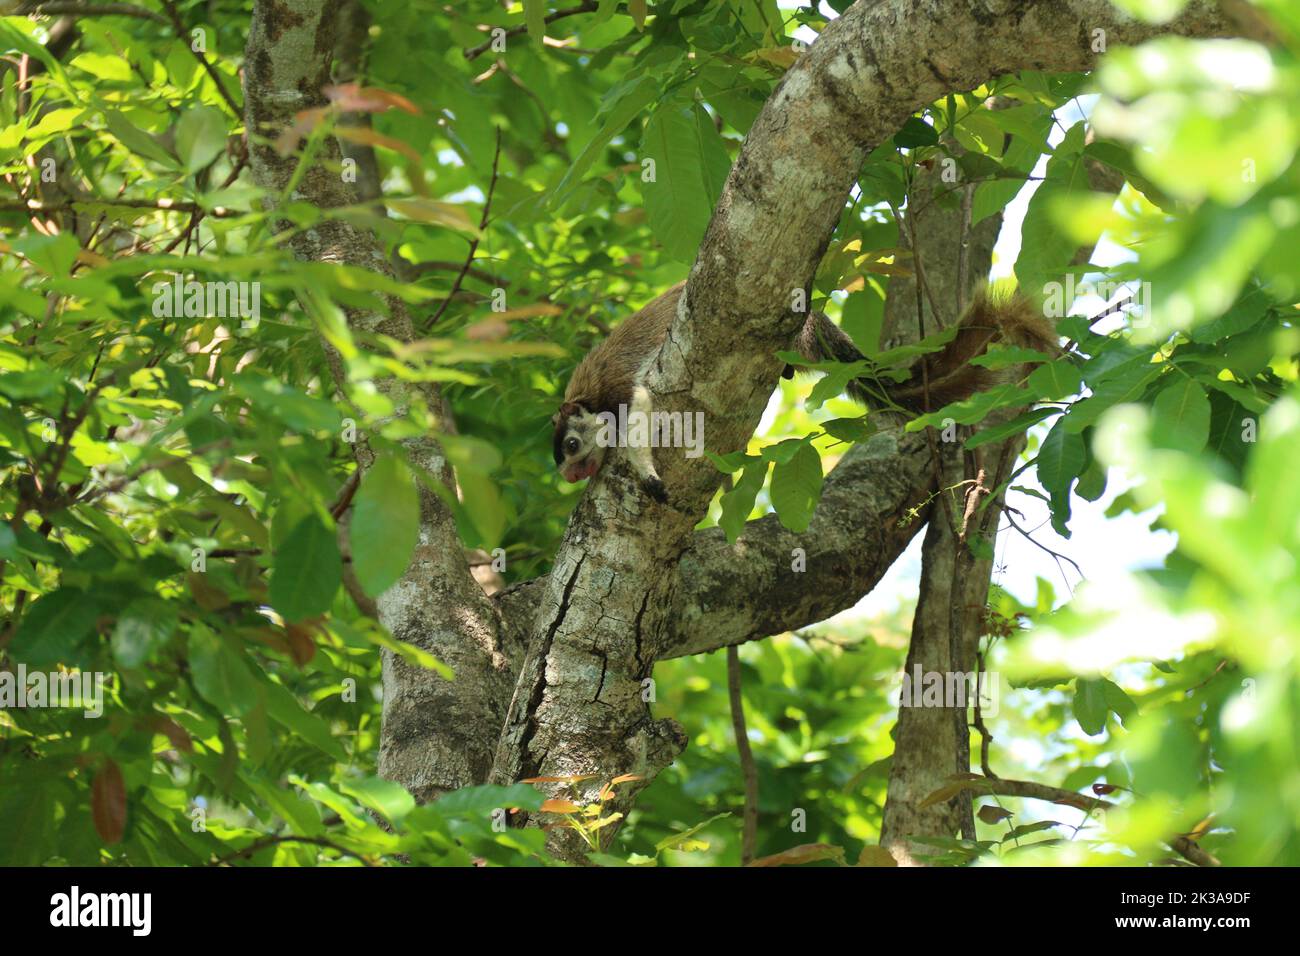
{"x":578,"y":706}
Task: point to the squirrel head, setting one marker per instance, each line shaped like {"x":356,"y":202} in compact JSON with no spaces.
{"x":577,"y":453}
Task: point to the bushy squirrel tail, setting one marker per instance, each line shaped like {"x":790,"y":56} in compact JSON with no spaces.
{"x":947,"y":375}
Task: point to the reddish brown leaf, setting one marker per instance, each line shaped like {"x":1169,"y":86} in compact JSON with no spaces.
{"x":303,"y":124}
{"x":946,"y":792}
{"x":206,"y":594}
{"x":352,"y":98}
{"x":559,"y":806}
{"x":991,"y":813}
{"x":806,"y":853}
{"x":178,"y":735}
{"x":108,"y":803}
{"x":302,"y":645}
{"x":488,"y":330}
{"x":368,"y":137}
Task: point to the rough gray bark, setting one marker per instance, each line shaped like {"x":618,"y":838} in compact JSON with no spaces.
{"x":438,"y":734}
{"x":949,"y":258}
{"x":632,"y":581}
{"x":933,"y":743}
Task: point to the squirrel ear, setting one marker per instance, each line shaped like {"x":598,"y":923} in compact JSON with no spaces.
{"x":567,"y":409}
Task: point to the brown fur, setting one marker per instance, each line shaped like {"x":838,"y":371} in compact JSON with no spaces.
{"x":949,"y":376}
{"x":606,"y":378}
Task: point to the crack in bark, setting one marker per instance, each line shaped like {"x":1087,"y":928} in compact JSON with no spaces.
{"x":604,"y":667}
{"x":529,"y":767}
{"x":640,"y":660}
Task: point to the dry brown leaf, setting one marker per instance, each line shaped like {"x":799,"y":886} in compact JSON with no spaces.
{"x":874,"y":855}
{"x":108,"y":803}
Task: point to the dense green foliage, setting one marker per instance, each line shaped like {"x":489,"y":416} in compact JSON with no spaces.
{"x":170,"y":483}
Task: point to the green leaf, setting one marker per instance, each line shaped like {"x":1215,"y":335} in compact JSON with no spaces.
{"x":968,"y":411}
{"x":535,"y":19}
{"x":1055,"y":380}
{"x":54,"y":122}
{"x":1002,"y":356}
{"x":1117,"y":700}
{"x":739,"y":501}
{"x":916,"y":132}
{"x":690,"y":166}
{"x":1090,"y":707}
{"x":676,"y":839}
{"x":302,"y":412}
{"x":27,"y":830}
{"x":136,"y":139}
{"x":1182,"y":416}
{"x":482,"y":801}
{"x":849,"y":429}
{"x":383,"y":796}
{"x":1244,"y":314}
{"x":54,"y":627}
{"x":106,"y":66}
{"x":1060,"y":459}
{"x":220,"y":673}
{"x":797,"y":487}
{"x":1092,"y":483}
{"x":1045,"y":249}
{"x":1124,"y":386}
{"x":385,"y":525}
{"x":200,"y":136}
{"x":1020,"y":423}
{"x":783,"y":451}
{"x":283,"y":707}
{"x":8,"y":543}
{"x":306,"y":572}
{"x":727,"y":464}
{"x":833,"y":383}
{"x":621,"y":104}
{"x":144,"y":626}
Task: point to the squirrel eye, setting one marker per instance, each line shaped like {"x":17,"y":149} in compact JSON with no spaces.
{"x":570,"y":445}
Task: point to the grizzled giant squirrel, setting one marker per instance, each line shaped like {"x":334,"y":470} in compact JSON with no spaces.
{"x":612,"y":374}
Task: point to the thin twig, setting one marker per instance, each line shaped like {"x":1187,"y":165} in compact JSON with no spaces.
{"x":473,"y":246}
{"x":986,"y":738}
{"x":446,"y":265}
{"x":67,"y":9}
{"x":1189,"y":850}
{"x":1034,"y":791}
{"x":345,"y":495}
{"x":589,"y":6}
{"x":749,"y":834}
{"x":963,"y":249}
{"x":165,"y":205}
{"x":264,"y":842}
{"x":922,"y":289}
{"x":1058,"y":556}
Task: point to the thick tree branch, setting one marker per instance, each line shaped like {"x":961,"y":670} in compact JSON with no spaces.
{"x":604,"y":615}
